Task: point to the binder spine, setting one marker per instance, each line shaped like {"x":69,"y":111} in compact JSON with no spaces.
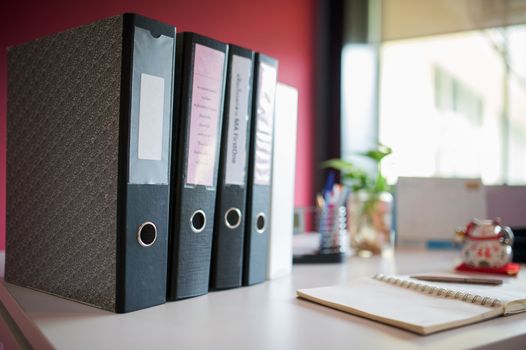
{"x":193,"y":199}
{"x":260,"y":171}
{"x":227,"y":253}
{"x":144,"y":162}
{"x":439,"y":292}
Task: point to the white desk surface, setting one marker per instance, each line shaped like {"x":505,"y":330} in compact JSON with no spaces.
{"x":265,"y":316}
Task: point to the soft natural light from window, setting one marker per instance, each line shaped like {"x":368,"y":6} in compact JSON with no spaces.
{"x":359,"y":88}
{"x":443,"y":102}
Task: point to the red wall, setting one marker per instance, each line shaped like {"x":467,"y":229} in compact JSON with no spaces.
{"x":283,"y":29}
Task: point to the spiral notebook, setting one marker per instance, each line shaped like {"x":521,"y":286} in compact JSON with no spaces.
{"x":421,"y":307}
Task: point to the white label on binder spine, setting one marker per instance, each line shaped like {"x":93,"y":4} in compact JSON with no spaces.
{"x":151,"y":105}
{"x":264,"y":123}
{"x":238,"y":115}
{"x":207,"y":85}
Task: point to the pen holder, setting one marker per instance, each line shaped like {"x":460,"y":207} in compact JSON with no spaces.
{"x":331,"y":223}
{"x":321,"y":235}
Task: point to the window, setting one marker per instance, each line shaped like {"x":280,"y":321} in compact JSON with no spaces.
{"x":441,"y":82}
{"x":455,"y":105}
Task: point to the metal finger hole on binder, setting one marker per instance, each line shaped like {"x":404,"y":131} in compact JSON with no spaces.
{"x":147,"y":234}
{"x":260,"y":223}
{"x":233,"y":218}
{"x":198,"y":221}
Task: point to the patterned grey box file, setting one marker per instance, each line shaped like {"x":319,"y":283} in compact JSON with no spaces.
{"x":74,"y":210}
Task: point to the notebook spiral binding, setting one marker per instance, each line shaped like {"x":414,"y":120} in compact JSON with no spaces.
{"x":441,"y":292}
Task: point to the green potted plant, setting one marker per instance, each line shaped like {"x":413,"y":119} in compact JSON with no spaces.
{"x":370,"y":202}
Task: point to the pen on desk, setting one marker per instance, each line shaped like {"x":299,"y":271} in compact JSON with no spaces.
{"x":462,"y":280}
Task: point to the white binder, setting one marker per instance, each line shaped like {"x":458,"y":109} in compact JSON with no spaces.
{"x":283,"y":174}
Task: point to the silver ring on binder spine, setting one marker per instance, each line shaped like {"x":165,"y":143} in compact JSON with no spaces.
{"x":144,"y":229}
{"x":261,"y":223}
{"x":198,"y":221}
{"x":228,"y":215}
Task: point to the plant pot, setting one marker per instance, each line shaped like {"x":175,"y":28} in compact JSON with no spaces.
{"x":370,"y":222}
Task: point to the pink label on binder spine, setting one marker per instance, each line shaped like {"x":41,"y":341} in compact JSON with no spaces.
{"x":207,"y":88}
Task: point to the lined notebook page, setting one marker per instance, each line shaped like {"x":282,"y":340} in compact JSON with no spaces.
{"x":401,"y":307}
